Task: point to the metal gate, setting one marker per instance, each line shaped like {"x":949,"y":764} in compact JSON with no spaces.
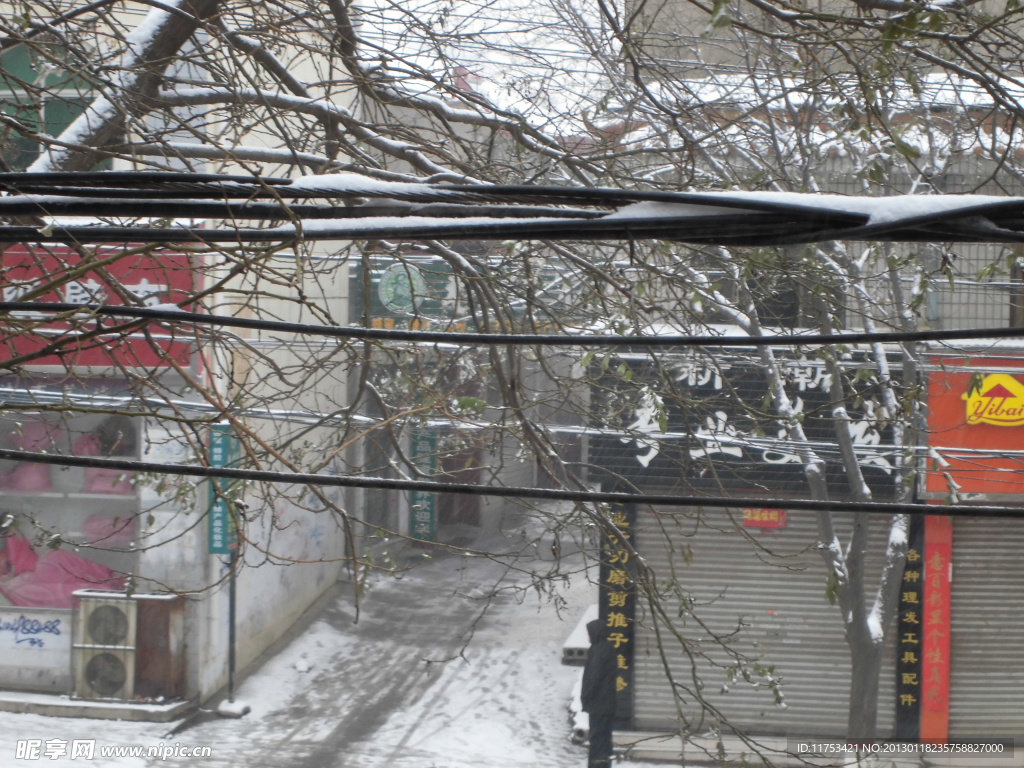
{"x":986,"y":695}
{"x":770,"y":602}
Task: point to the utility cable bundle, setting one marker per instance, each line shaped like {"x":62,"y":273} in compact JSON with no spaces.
{"x":348,"y":206}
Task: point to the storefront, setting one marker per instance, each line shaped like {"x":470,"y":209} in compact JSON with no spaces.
{"x":67,"y":528}
{"x":976,"y":455}
{"x":153,"y":625}
{"x":765,"y":650}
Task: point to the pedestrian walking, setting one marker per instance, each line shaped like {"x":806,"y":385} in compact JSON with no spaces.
{"x":598,"y":695}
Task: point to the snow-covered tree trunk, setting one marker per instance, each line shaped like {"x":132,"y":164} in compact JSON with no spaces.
{"x":128,"y":92}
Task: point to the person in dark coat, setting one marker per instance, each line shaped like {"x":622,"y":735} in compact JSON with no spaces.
{"x":598,"y":695}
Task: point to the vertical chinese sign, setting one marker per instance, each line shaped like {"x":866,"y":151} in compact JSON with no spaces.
{"x":909,"y":647}
{"x":617,"y":602}
{"x":225,"y":451}
{"x":423,"y":448}
{"x":938,"y":557}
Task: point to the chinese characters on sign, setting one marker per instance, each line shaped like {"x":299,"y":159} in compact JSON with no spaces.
{"x":225,"y":451}
{"x":765,"y":518}
{"x":618,"y":606}
{"x":154,"y":278}
{"x":700,"y":373}
{"x":935,"y":605}
{"x":909,"y":648}
{"x":423,"y":448}
{"x":717,"y":411}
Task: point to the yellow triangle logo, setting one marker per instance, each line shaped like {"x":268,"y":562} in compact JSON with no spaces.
{"x":999,"y":401}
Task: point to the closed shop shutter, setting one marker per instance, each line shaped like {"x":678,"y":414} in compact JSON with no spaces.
{"x":771,"y":605}
{"x":986,"y":696}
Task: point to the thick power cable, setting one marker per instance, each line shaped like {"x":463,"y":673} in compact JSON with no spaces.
{"x":512,"y":492}
{"x":507,"y":339}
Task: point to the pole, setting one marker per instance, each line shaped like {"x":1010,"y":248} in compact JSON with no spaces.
{"x":232,"y":563}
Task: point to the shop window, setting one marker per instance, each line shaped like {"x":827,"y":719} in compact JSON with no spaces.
{"x":71,"y":528}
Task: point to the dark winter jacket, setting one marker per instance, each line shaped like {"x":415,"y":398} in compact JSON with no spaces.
{"x":598,"y":693}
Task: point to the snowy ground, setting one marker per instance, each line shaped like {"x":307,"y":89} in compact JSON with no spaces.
{"x":346,"y":695}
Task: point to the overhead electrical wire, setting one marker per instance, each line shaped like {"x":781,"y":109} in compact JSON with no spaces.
{"x":377,"y":209}
{"x":504,"y":339}
{"x":421,"y":211}
{"x":513,"y":492}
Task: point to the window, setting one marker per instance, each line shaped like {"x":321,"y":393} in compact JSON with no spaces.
{"x":37,"y":92}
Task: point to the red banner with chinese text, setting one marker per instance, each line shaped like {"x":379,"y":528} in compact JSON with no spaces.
{"x":938,"y":558}
{"x":41,"y":273}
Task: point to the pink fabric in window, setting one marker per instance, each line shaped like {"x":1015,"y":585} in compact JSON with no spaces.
{"x":56,"y":576}
{"x":86,"y":445}
{"x":97,"y":479}
{"x":17,"y":557}
{"x":109,"y":531}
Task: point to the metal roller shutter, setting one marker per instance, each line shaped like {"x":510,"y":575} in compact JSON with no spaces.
{"x":779,"y":596}
{"x":986,"y":696}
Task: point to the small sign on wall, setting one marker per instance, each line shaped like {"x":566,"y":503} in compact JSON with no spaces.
{"x":765,"y":518}
{"x":423,"y":444}
{"x":225,"y":451}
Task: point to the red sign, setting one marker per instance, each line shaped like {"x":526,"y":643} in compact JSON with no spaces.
{"x":935,"y":624}
{"x":765,"y":518}
{"x":57,"y":274}
{"x":966,"y":430}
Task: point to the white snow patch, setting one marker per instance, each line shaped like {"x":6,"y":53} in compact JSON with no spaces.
{"x":236,"y":708}
{"x":579,"y":720}
{"x":650,"y":210}
{"x":933,"y":454}
{"x":579,"y":638}
{"x":880,"y":210}
{"x":353,"y":183}
{"x":897,"y":536}
{"x":875,"y":628}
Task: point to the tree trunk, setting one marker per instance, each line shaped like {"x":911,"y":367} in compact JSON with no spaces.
{"x":866,"y":665}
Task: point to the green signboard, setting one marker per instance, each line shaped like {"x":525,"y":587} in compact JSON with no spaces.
{"x":423,"y":449}
{"x":402,"y":288}
{"x":422,"y":292}
{"x":404,"y":294}
{"x":225,"y":451}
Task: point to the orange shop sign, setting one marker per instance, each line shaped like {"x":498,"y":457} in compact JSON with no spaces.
{"x":975,"y":430}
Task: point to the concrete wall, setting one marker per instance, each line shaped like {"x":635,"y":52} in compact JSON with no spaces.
{"x":295,"y":541}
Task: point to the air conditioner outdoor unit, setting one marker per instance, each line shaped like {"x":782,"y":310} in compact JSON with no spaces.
{"x":128,"y":646}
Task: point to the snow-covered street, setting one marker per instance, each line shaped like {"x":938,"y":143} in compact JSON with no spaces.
{"x":376,"y":693}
